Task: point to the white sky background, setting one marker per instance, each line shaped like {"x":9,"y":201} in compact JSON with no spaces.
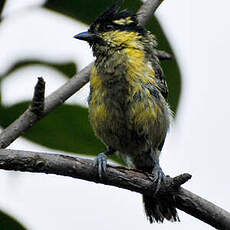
{"x":198,"y":143}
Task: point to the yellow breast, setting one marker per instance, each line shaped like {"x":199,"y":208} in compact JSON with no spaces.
{"x":97,"y":108}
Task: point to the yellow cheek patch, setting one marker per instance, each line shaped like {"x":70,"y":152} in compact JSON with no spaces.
{"x":123,"y":21}
{"x":122,"y":38}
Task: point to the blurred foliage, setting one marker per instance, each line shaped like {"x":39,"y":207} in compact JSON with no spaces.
{"x":81,"y":11}
{"x":66,"y":128}
{"x":69,"y":69}
{"x":9,"y":223}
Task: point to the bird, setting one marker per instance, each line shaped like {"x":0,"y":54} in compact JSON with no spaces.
{"x":128,"y":106}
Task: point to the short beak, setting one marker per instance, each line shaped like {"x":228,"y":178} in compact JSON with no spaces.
{"x":86,"y":36}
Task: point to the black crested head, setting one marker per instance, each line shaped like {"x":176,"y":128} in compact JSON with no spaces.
{"x":115,"y":19}
{"x":114,"y":29}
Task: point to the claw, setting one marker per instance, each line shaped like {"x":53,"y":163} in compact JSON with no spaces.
{"x":100,"y":162}
{"x":159,"y":177}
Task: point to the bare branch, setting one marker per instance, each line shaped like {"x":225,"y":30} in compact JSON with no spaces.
{"x":37,"y":105}
{"x":162,"y":55}
{"x":17,"y":128}
{"x":147,"y":10}
{"x":68,"y":89}
{"x":29,"y":118}
{"x":122,"y":177}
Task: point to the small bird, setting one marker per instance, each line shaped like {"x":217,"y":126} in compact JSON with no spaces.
{"x":128,"y":107}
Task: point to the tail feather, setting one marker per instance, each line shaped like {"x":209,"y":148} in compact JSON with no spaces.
{"x":157,"y":210}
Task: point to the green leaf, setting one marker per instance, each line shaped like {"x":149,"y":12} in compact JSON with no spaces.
{"x":0,"y":95}
{"x":9,"y":223}
{"x":67,"y":128}
{"x":81,"y":11}
{"x":69,"y":69}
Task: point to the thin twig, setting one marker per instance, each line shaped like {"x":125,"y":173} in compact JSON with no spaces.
{"x":147,"y":10}
{"x":133,"y":180}
{"x":28,"y":118}
{"x":37,"y":105}
{"x":163,"y":55}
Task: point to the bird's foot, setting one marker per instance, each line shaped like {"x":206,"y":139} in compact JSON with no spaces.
{"x":101,"y":162}
{"x":159,"y":177}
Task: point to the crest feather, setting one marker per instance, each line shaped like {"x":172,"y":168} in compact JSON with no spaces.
{"x":112,"y":11}
{"x":115,"y":19}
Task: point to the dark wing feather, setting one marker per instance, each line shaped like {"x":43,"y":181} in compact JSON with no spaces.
{"x":160,"y":79}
